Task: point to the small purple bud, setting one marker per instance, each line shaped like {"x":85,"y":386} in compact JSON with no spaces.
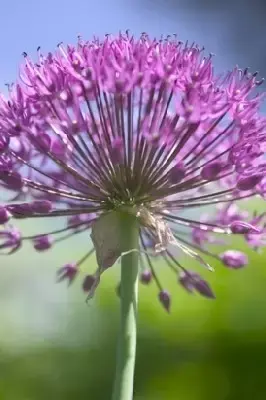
{"x":42,"y":243}
{"x":41,"y":206}
{"x":212,"y":170}
{"x":165,"y":300}
{"x":186,"y":280}
{"x":177,"y":173}
{"x":146,"y":277}
{"x":21,"y":210}
{"x":88,"y":283}
{"x":249,"y":182}
{"x":234,"y":259}
{"x":4,"y":215}
{"x":243,"y":227}
{"x":191,"y":281}
{"x":68,"y":271}
{"x":13,"y":180}
{"x":203,"y":288}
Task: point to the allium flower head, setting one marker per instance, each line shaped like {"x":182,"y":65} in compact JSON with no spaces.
{"x":133,"y":125}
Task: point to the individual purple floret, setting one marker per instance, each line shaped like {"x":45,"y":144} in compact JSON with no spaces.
{"x":165,"y":299}
{"x":10,"y":240}
{"x":234,"y":259}
{"x":193,"y":282}
{"x":42,"y":243}
{"x":139,"y":125}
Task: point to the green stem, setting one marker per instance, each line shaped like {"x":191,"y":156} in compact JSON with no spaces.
{"x":126,"y":351}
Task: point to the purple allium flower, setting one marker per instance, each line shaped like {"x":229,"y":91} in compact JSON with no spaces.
{"x":165,"y":299}
{"x":43,"y":242}
{"x":146,"y":277}
{"x":138,"y":125}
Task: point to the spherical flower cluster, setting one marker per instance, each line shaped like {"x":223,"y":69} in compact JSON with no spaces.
{"x":141,"y":126}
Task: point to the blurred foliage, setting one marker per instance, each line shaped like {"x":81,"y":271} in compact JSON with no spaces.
{"x":53,"y":345}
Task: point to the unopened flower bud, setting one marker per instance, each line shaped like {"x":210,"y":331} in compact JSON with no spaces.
{"x":242,"y":227}
{"x":146,"y":277}
{"x":249,"y":182}
{"x":192,"y":281}
{"x":234,"y":259}
{"x":10,"y":239}
{"x":12,"y":180}
{"x":165,"y":300}
{"x":41,"y":206}
{"x":212,"y":170}
{"x":177,"y":173}
{"x":42,"y":243}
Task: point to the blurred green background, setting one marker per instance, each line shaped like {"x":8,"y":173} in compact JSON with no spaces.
{"x":55,"y":346}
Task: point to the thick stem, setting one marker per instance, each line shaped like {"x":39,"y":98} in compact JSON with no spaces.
{"x":126,"y":351}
